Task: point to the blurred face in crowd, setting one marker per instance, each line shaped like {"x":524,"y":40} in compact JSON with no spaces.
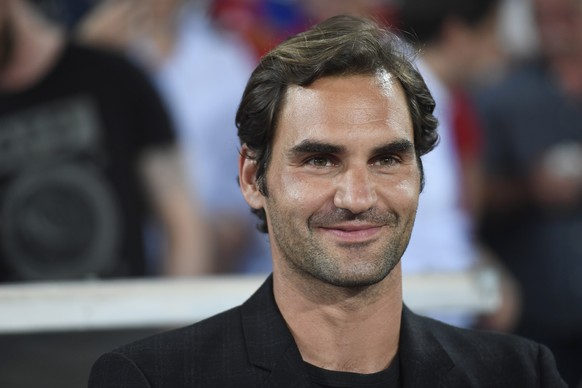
{"x":559,"y":26}
{"x":343,"y":181}
{"x":486,"y":49}
{"x":476,"y":48}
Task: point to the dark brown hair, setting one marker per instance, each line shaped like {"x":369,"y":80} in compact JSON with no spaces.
{"x":339,"y":46}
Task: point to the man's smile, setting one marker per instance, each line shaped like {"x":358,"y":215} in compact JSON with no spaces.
{"x":353,"y":232}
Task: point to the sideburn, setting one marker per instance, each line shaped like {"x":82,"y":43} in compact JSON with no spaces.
{"x":421,"y":171}
{"x":263,"y":162}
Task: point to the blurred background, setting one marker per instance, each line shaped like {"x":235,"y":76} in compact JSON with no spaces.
{"x":118,"y":155}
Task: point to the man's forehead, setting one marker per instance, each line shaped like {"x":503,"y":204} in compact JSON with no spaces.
{"x":348,"y":99}
{"x":383,"y":79}
{"x":360,"y":92}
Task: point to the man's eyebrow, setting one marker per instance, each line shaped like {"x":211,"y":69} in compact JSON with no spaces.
{"x":396,"y":147}
{"x":315,"y":147}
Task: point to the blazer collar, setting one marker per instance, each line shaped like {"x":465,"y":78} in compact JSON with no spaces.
{"x":424,"y":362}
{"x":269,"y":342}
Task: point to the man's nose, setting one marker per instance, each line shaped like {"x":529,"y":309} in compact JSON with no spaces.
{"x":355,"y":191}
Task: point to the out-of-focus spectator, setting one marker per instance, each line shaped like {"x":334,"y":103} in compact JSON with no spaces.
{"x":201,"y":73}
{"x":83,"y":136}
{"x":534,"y":182}
{"x":455,"y":39}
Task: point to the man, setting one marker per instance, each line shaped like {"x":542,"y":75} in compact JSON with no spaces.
{"x":332,"y":125}
{"x":533,"y":160}
{"x":82,"y":133}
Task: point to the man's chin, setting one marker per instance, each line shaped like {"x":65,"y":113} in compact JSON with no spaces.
{"x":356,"y":280}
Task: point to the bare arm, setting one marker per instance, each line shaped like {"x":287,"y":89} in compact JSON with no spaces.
{"x":146,"y":27}
{"x":188,"y":248}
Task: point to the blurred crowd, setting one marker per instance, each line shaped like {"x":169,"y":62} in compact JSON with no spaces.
{"x":119,"y":147}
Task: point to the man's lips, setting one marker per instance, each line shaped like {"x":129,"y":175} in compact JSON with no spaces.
{"x":353,"y":232}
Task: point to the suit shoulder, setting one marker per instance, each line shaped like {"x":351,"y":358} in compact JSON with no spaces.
{"x":508,"y":359}
{"x":223,"y":327}
{"x":198,"y":351}
{"x":209,"y":353}
{"x":482,"y":340}
{"x":477,"y":357}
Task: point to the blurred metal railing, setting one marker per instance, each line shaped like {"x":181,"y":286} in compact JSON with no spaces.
{"x":114,"y":304}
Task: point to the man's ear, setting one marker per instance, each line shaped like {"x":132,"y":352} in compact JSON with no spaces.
{"x":247,"y":176}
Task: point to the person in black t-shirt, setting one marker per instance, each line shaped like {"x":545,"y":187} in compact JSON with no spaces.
{"x":83,"y":136}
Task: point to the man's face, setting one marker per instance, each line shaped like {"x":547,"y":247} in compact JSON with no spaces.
{"x":559,"y":25}
{"x":477,"y":48}
{"x":343,"y":181}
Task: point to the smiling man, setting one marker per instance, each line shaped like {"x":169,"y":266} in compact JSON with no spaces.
{"x":343,"y":193}
{"x":332,"y":124}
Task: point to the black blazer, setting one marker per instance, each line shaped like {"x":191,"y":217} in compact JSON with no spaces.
{"x":251,"y":346}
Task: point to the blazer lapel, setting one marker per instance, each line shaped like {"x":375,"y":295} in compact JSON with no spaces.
{"x":424,"y":360}
{"x":270,"y":345}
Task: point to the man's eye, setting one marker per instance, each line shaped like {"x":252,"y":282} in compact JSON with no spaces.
{"x":386,"y":161}
{"x":319,"y":161}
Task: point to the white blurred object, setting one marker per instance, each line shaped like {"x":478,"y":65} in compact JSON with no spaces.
{"x":114,"y":304}
{"x":565,"y":160}
{"x":517,"y":28}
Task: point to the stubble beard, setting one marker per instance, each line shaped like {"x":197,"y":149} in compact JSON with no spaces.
{"x":355,"y":265}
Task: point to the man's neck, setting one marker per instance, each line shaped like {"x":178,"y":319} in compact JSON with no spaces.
{"x":36,"y":47}
{"x":343,"y":329}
